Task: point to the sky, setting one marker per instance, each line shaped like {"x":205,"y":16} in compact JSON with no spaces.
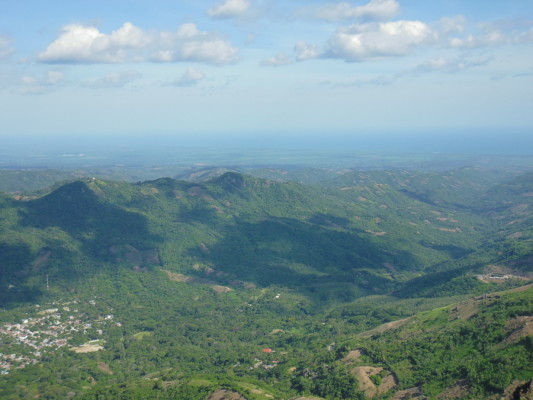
{"x":306,"y":69}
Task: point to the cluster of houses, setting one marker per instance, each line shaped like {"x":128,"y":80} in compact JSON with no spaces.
{"x":24,"y":343}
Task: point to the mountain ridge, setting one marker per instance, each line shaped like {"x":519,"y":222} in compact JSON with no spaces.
{"x":258,"y":287}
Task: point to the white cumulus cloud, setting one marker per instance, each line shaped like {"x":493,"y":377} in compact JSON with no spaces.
{"x":378,"y":40}
{"x":86,"y":44}
{"x":229,"y":9}
{"x":373,"y":10}
{"x":190,"y":44}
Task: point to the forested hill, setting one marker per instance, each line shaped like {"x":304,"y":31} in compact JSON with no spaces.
{"x":179,"y":286}
{"x":477,"y":348}
{"x":364,"y":237}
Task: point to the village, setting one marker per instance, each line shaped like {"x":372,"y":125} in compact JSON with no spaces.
{"x":46,"y":330}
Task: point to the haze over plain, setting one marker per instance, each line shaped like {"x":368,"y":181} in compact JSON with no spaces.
{"x":260,"y":71}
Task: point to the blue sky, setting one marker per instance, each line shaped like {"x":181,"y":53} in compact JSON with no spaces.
{"x":309,"y":68}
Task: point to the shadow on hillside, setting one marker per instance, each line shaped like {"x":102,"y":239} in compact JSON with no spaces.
{"x":15,"y":260}
{"x":453,"y":251}
{"x":330,"y":221}
{"x":78,"y":211}
{"x":307,"y":257}
{"x":439,"y":284}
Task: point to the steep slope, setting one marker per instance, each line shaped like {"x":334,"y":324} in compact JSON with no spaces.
{"x":506,"y":254}
{"x":345,"y":242}
{"x":469,"y":350}
{"x":510,"y":204}
{"x":248,"y":287}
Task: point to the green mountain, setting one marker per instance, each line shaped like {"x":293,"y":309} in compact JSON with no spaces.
{"x":363,"y":238}
{"x":478,"y":348}
{"x":258,"y":288}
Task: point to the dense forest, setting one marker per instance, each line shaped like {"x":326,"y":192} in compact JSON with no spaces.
{"x":267,"y":283}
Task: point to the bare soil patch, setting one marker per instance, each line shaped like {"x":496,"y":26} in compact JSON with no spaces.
{"x":353,"y":356}
{"x":174,"y":276}
{"x":521,"y":327}
{"x":105,"y":368}
{"x":221,"y":289}
{"x":465,"y":309}
{"x":363,"y":374}
{"x":87,"y":348}
{"x":454,"y":230}
{"x":177,"y":277}
{"x":385,"y":327}
{"x":521,"y":390}
{"x":387,"y":383}
{"x":376,"y":233}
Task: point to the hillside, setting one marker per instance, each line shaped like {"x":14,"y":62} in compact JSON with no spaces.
{"x":243,"y":287}
{"x":359,"y":239}
{"x":474,"y":349}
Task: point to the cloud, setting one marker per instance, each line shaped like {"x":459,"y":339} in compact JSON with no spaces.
{"x":436,"y":65}
{"x":86,"y":44}
{"x":526,"y":74}
{"x":362,"y":42}
{"x":190,"y":44}
{"x":5,"y":47}
{"x":471,"y":42}
{"x":372,"y":41}
{"x":278,"y":60}
{"x":378,"y":40}
{"x":374,"y":10}
{"x":112,"y":80}
{"x":190,"y":77}
{"x":455,"y":24}
{"x":495,"y":34}
{"x":302,"y":51}
{"x":306,"y":51}
{"x":80,"y":44}
{"x":453,"y":65}
{"x":48,"y":83}
{"x":229,"y":9}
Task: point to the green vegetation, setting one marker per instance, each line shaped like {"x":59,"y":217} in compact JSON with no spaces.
{"x":169,"y":289}
{"x":484,"y":343}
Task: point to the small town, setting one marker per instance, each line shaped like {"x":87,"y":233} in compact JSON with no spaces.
{"x":48,"y":329}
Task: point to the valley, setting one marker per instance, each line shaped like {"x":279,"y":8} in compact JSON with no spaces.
{"x":266,"y":200}
{"x":268,"y":283}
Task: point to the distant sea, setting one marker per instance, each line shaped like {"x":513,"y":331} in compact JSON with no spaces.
{"x":271,"y":148}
